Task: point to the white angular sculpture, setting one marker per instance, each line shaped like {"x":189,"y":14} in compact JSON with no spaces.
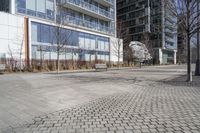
{"x":140,"y":51}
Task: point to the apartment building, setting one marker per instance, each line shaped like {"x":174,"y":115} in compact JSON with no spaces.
{"x":28,"y":29}
{"x":152,"y":17}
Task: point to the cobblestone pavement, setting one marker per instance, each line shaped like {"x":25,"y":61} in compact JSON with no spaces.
{"x":157,"y":107}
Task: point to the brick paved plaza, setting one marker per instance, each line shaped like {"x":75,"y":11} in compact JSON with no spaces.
{"x":154,"y":99}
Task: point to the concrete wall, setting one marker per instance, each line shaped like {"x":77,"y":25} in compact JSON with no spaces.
{"x":11,"y":35}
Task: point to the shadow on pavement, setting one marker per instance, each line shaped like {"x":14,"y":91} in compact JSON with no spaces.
{"x":96,"y":79}
{"x":182,"y":81}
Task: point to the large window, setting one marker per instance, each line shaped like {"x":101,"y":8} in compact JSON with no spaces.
{"x":21,"y":6}
{"x":103,"y":44}
{"x":50,"y":9}
{"x":34,"y":30}
{"x":93,"y":42}
{"x":4,"y":5}
{"x":81,"y":40}
{"x":73,"y":38}
{"x":46,"y":34}
{"x":39,"y":8}
{"x":107,"y":45}
{"x":31,"y":7}
{"x":87,"y":41}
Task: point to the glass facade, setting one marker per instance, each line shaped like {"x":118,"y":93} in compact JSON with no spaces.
{"x":134,"y":14}
{"x":69,"y":16}
{"x":170,"y":29}
{"x":92,"y":6}
{"x":99,"y":17}
{"x":45,"y":9}
{"x":149,"y":19}
{"x":4,"y":5}
{"x":39,"y":8}
{"x":79,"y":45}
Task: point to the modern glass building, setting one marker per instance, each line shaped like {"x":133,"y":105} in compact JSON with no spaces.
{"x":4,"y":6}
{"x":155,"y":18}
{"x":86,"y":28}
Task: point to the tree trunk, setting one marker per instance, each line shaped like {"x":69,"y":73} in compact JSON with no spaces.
{"x":73,"y":59}
{"x":41,"y":58}
{"x":189,"y":72}
{"x":58,"y":61}
{"x":118,"y":63}
{"x":20,"y":61}
{"x":118,"y":59}
{"x":197,"y":70}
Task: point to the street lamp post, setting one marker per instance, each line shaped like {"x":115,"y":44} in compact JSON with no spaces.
{"x":197,"y":70}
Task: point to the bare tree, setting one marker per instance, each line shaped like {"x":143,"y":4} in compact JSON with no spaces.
{"x":16,"y":52}
{"x":148,"y":42}
{"x":10,"y":53}
{"x":127,"y":51}
{"x":20,"y":40}
{"x":61,"y":38}
{"x":182,"y":47}
{"x":118,"y":42}
{"x":189,"y":23}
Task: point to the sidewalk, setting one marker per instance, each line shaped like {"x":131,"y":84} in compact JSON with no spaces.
{"x":182,"y":81}
{"x":115,"y":68}
{"x":87,"y":70}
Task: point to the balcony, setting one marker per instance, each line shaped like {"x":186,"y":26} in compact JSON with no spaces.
{"x":87,"y":24}
{"x":89,"y":9}
{"x":107,"y":3}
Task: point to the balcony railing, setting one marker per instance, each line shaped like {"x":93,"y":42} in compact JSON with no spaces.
{"x":110,"y":1}
{"x":89,"y":7}
{"x":84,"y":23}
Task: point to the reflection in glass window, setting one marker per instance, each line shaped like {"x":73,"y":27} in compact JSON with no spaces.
{"x":45,"y":34}
{"x":52,"y":35}
{"x":87,"y":56}
{"x":41,"y":8}
{"x":34,"y":31}
{"x":50,"y":9}
{"x":107,"y":45}
{"x":98,"y":44}
{"x":74,"y":38}
{"x":31,"y":7}
{"x":42,"y":33}
{"x":93,"y":42}
{"x":87,"y":41}
{"x":21,"y":6}
{"x":102,"y":45}
{"x":81,"y":40}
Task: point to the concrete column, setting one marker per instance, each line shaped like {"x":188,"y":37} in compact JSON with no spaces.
{"x":160,"y":56}
{"x":56,"y":11}
{"x":149,"y":16}
{"x":175,"y":56}
{"x":12,"y":6}
{"x":115,"y":19}
{"x":163,"y":24}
